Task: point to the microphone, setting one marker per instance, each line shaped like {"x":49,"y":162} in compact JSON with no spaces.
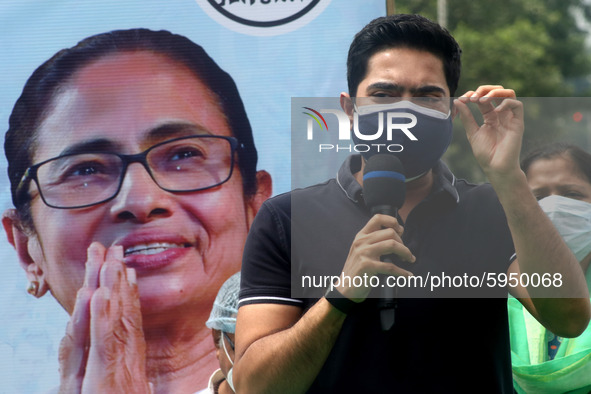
{"x":384,"y":192}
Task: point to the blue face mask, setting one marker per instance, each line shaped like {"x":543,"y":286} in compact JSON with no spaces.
{"x":419,"y":136}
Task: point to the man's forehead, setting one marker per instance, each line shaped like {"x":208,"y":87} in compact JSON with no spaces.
{"x":405,"y":69}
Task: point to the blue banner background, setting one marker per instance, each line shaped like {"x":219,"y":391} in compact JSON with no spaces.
{"x":269,"y":70}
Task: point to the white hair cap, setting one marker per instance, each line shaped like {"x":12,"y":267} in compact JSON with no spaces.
{"x":225,"y":307}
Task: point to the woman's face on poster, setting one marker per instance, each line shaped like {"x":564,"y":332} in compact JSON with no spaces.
{"x":182,"y":245}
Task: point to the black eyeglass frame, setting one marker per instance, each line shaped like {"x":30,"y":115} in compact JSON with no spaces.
{"x":31,"y":172}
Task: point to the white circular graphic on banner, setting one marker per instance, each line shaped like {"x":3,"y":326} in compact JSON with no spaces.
{"x":263,"y":17}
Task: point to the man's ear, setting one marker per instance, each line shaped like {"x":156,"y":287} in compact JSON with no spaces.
{"x":23,"y":241}
{"x":263,"y":192}
{"x":347,"y":105}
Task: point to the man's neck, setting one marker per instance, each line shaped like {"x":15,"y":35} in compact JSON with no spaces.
{"x":416,"y":190}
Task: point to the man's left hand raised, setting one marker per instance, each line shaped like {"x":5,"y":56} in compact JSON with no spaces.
{"x":497,"y":142}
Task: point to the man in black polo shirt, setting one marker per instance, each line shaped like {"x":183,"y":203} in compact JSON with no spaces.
{"x":317,"y":344}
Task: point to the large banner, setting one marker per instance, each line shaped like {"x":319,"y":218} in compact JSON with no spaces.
{"x":273,"y":49}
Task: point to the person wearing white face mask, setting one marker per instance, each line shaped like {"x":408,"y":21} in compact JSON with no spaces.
{"x":560,"y":178}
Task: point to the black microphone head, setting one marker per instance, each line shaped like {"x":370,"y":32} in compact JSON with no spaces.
{"x":383,"y":182}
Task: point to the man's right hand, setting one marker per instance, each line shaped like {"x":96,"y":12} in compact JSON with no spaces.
{"x":380,"y":236}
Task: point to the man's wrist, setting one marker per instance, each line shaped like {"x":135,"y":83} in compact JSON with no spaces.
{"x":340,"y":302}
{"x":508,"y":181}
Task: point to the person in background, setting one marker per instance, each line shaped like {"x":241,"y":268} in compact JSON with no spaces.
{"x":222,"y":322}
{"x":559,"y":175}
{"x":133,"y":176}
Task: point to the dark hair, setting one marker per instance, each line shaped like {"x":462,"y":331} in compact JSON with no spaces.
{"x":35,"y":101}
{"x":579,"y":157}
{"x":402,"y":30}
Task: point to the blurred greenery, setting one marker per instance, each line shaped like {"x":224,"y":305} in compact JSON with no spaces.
{"x":537,"y":48}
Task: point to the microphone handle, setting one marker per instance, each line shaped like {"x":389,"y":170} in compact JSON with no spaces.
{"x":388,"y":301}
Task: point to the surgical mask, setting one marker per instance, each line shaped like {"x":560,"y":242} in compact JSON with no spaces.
{"x":230,"y":379}
{"x":572,"y":219}
{"x":419,"y":136}
{"x":226,"y":351}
